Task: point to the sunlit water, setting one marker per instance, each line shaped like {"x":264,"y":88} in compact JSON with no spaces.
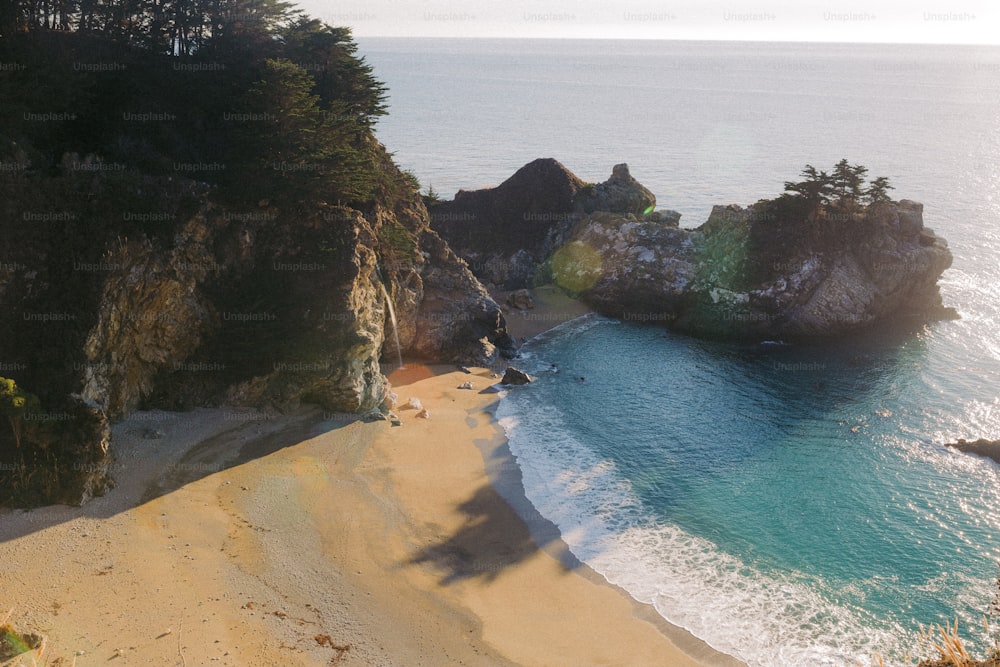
{"x":791,"y":505}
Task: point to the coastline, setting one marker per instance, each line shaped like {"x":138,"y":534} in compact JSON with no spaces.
{"x":237,"y":537}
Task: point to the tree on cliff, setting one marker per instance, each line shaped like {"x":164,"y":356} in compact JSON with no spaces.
{"x":815,"y":190}
{"x":14,"y":404}
{"x":285,"y":137}
{"x":819,"y":189}
{"x":878,"y":191}
{"x":847,"y":181}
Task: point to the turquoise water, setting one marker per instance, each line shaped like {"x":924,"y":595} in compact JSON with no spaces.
{"x":791,"y":505}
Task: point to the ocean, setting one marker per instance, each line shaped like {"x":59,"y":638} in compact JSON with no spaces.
{"x":789,"y":504}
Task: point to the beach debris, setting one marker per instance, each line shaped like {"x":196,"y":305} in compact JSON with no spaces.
{"x":515,"y":376}
{"x":465,"y":369}
{"x":412,"y":403}
{"x":424,"y":414}
{"x":341,"y":649}
{"x":465,"y":385}
{"x":394,"y":419}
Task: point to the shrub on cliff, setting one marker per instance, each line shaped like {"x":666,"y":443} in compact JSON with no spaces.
{"x":15,"y":403}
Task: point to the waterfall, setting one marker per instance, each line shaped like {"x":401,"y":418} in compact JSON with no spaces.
{"x":392,"y":317}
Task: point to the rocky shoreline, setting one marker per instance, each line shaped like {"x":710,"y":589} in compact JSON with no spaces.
{"x":273,"y":308}
{"x":989,"y":449}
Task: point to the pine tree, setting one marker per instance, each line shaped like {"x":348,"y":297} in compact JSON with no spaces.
{"x":878,"y":191}
{"x":291,"y":147}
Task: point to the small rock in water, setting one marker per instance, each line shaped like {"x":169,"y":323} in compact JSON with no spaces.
{"x":423,"y":414}
{"x":465,"y":385}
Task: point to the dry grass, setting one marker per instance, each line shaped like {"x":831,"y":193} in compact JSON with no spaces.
{"x":950,"y":647}
{"x":945,"y":640}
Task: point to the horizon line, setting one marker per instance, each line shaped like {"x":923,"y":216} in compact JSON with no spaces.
{"x":671,"y":39}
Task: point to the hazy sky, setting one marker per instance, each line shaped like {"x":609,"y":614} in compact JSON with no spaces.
{"x":928,"y":21}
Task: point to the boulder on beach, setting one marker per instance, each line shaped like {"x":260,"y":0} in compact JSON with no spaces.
{"x":412,"y":403}
{"x":521,"y":299}
{"x":515,"y":376}
{"x":424,"y":414}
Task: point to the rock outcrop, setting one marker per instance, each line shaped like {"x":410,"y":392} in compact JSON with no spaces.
{"x":506,"y":233}
{"x":754,"y":273}
{"x":514,"y":376}
{"x":261,"y":307}
{"x":981,"y":447}
{"x":775,"y":269}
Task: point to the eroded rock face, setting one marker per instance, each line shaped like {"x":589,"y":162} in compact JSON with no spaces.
{"x":507,"y":233}
{"x":619,"y":194}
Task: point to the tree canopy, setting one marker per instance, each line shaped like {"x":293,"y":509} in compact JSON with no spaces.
{"x":213,"y":90}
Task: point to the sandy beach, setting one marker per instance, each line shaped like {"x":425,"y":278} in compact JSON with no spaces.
{"x":244,"y":538}
{"x":552,"y":308}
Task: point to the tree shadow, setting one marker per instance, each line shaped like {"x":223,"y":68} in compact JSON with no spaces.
{"x":143,"y":476}
{"x":502,"y":528}
{"x":491,"y":539}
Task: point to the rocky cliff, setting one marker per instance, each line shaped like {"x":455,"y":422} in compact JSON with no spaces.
{"x":202,"y":304}
{"x":507,"y":233}
{"x":744,"y":274}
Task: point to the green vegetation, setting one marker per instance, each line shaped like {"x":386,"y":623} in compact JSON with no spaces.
{"x":431,"y":197}
{"x":843,"y":189}
{"x":15,"y":403}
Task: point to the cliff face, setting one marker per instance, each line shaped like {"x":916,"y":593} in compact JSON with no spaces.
{"x":261,"y":307}
{"x":743,"y":275}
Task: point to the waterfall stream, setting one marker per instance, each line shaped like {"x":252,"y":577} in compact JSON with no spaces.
{"x":392,"y":317}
